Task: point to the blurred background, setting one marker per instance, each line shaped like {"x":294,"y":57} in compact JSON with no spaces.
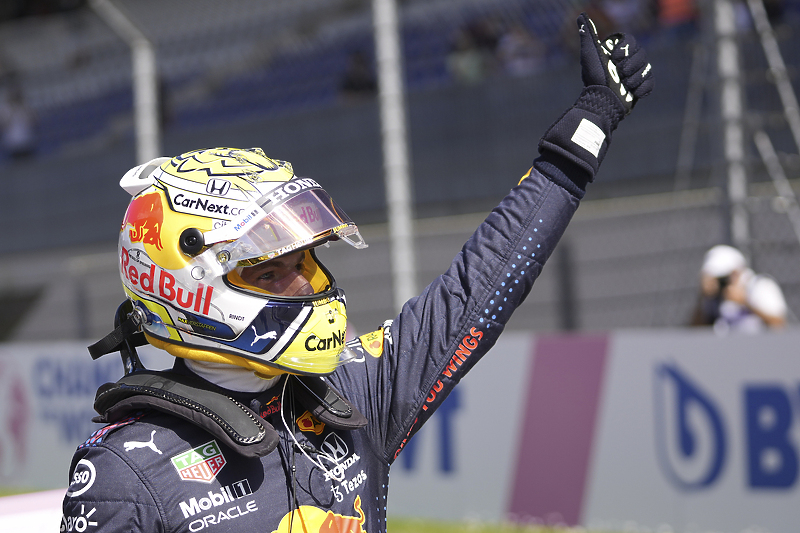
{"x":710,"y":157}
{"x":484,"y":79}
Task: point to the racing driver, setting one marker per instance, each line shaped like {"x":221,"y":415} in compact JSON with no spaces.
{"x":269,"y":421}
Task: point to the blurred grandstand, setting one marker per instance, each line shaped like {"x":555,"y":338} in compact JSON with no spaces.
{"x":256,"y":73}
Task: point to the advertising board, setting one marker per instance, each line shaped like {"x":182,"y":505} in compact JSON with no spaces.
{"x":673,"y":430}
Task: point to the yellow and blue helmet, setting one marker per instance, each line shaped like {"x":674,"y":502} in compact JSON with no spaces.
{"x":194,"y":222}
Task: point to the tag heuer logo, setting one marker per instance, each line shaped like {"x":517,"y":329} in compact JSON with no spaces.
{"x":200,"y":464}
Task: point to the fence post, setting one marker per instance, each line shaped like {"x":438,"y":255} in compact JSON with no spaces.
{"x":395,"y":149}
{"x":731,"y":106}
{"x":145,"y":79}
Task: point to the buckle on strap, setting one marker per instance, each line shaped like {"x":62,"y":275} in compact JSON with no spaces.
{"x":127,"y":335}
{"x":326,"y":403}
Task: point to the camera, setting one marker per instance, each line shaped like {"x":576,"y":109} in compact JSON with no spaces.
{"x":723,"y":282}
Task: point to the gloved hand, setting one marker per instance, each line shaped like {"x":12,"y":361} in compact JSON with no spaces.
{"x":615,"y":74}
{"x":617,"y":62}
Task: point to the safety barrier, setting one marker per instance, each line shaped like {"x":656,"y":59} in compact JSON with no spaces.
{"x":629,"y":430}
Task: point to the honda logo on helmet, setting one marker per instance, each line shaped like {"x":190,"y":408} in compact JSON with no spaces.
{"x":218,"y":187}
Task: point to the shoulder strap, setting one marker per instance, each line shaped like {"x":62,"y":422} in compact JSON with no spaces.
{"x":327,"y":404}
{"x":192,"y":400}
{"x":126,"y":336}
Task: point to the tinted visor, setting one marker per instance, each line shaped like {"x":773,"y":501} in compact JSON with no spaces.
{"x":294,"y":216}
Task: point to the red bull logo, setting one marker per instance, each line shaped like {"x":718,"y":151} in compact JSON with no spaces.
{"x":161,"y":283}
{"x":145,"y":216}
{"x":307,"y":519}
{"x":373,"y":342}
{"x":271,"y":407}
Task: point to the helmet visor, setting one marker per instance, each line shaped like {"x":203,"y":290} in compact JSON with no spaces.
{"x":279,"y":223}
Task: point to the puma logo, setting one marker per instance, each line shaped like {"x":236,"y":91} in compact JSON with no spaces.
{"x":132,"y":445}
{"x":267,"y":335}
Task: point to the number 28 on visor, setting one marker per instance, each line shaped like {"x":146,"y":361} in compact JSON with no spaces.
{"x":296,"y":215}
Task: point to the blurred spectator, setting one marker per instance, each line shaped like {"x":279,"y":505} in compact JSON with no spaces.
{"x":473,"y":48}
{"x":597,"y":12}
{"x":466,"y":63}
{"x":485,"y":34}
{"x":16,"y":125}
{"x":775,"y":10}
{"x":358,"y":80}
{"x":678,"y":18}
{"x":744,"y":19}
{"x":8,"y":74}
{"x":519,"y":52}
{"x":629,"y":16}
{"x":733,"y":298}
{"x":13,"y":9}
{"x":166,"y":111}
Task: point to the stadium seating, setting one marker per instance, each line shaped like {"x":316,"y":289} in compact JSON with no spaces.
{"x":83,"y":89}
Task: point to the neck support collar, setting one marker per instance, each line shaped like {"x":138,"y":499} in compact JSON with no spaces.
{"x":209,"y":408}
{"x":204,"y":404}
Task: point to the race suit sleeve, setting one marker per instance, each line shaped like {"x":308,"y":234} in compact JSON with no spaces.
{"x":107,"y":495}
{"x":440,"y":334}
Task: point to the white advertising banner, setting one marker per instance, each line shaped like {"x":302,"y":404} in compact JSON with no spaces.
{"x":661,"y":430}
{"x":629,"y":431}
{"x":698,"y":432}
{"x":459,"y":465}
{"x":46,"y":396}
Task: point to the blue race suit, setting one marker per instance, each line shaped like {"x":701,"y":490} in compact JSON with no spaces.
{"x":154,"y":472}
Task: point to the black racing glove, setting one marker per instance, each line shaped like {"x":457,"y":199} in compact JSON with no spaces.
{"x":615,"y":75}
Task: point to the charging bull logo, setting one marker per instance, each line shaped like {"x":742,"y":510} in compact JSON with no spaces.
{"x":307,"y":519}
{"x":145,"y":216}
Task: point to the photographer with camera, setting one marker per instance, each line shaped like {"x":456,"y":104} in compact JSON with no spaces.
{"x":734,"y":298}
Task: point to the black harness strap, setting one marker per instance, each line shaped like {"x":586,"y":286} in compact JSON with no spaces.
{"x":124,"y":339}
{"x":327,"y":404}
{"x":192,"y":399}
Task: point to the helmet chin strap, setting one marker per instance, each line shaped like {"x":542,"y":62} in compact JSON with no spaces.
{"x":124,"y":339}
{"x":231,"y":377}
